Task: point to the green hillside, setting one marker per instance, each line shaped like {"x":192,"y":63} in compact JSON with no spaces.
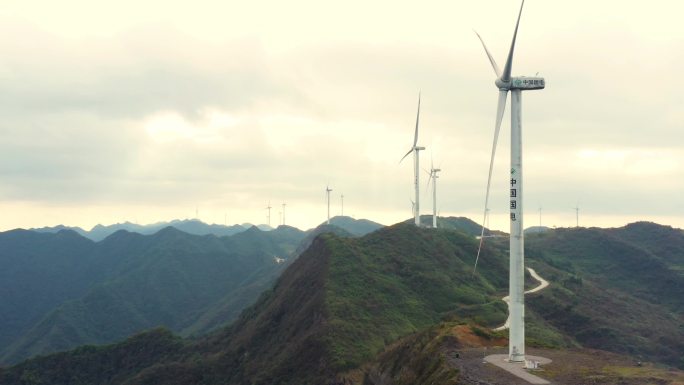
{"x":664,"y":242}
{"x":111,"y":364}
{"x":130,"y":282}
{"x":356,"y":227}
{"x":37,"y":273}
{"x":617,"y":289}
{"x":339,"y":304}
{"x":358,"y":310}
{"x":368,"y":292}
{"x":463,"y":224}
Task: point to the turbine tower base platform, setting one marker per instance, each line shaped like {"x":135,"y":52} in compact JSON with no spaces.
{"x":520,"y":369}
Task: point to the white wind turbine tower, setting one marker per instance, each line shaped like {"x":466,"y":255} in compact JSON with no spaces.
{"x":515,"y":85}
{"x":327,"y":193}
{"x":433,"y":178}
{"x":269,"y":213}
{"x":416,"y":168}
{"x":284,"y":204}
{"x":540,"y":222}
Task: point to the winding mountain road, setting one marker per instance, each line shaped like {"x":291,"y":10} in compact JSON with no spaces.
{"x":542,"y":284}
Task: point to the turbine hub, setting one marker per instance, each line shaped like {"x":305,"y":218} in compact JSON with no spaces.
{"x":502,"y":85}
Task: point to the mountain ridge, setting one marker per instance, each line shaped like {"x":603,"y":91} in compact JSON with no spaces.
{"x":128,"y":282}
{"x":190,"y":226}
{"x":345,"y":301}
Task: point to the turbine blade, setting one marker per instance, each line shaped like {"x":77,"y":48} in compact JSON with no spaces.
{"x":497,"y":71}
{"x":407,"y":154}
{"x":415,"y":137}
{"x":506,"y":76}
{"x":501,"y":107}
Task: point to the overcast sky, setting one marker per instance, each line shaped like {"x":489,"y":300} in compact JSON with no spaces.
{"x":150,"y":111}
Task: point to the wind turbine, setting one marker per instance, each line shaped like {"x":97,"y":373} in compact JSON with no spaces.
{"x":505,"y":83}
{"x":327,"y":193}
{"x":342,"y":200}
{"x":284,"y":204}
{"x":433,"y":178}
{"x":416,"y":168}
{"x":577,"y":214}
{"x":269,"y":213}
{"x":540,"y":212}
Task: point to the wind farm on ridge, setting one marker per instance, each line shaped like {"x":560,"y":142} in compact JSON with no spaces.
{"x":347,"y":300}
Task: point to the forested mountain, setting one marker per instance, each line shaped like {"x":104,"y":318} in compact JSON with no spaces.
{"x":620,"y":290}
{"x":37,"y":273}
{"x":61,"y":290}
{"x":401,"y":305}
{"x":353,"y":226}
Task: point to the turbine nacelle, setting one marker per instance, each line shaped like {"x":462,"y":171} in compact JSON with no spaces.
{"x":417,"y":148}
{"x":521,"y":83}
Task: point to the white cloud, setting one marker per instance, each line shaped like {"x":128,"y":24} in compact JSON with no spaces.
{"x":152,"y":109}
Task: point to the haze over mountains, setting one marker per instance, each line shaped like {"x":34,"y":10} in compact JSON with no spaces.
{"x":61,"y":289}
{"x":190,"y":226}
{"x":349,"y":310}
{"x":197,"y":227}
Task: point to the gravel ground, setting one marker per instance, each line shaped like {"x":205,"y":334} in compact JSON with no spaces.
{"x":569,"y":367}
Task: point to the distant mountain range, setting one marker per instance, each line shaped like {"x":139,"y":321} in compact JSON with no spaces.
{"x":197,"y":227}
{"x":390,"y":307}
{"x":190,"y":226}
{"x":61,"y":289}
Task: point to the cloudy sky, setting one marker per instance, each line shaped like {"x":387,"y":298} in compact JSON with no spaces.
{"x":146,"y":111}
